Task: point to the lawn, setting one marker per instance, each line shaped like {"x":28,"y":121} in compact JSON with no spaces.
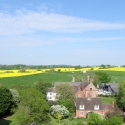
{"x":68,"y":121}
{"x":107,"y":100}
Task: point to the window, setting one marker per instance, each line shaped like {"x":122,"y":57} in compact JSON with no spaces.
{"x":50,"y":93}
{"x":96,"y":107}
{"x":90,"y":88}
{"x":81,"y":113}
{"x":79,"y":95}
{"x":81,"y":107}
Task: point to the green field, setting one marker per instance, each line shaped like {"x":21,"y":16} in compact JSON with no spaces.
{"x":31,"y":79}
{"x":116,"y":76}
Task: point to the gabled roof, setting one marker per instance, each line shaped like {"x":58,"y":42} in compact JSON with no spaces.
{"x":85,"y":84}
{"x":89,"y":103}
{"x":115,"y":87}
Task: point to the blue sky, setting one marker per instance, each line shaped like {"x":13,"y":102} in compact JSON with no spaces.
{"x":53,"y":32}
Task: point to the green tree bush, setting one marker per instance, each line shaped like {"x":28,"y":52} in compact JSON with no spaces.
{"x":32,"y":107}
{"x":42,"y":86}
{"x":103,"y":77}
{"x":120,"y":98}
{"x":94,"y":119}
{"x":6,"y":100}
{"x":115,"y":120}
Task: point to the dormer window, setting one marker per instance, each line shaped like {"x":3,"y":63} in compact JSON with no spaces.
{"x":81,"y":107}
{"x":96,"y":107}
{"x":90,"y":88}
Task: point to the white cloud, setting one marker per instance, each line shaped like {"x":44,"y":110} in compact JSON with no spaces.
{"x":24,"y":21}
{"x":42,"y":40}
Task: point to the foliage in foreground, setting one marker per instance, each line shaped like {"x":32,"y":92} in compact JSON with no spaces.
{"x":120,"y":99}
{"x":115,"y":120}
{"x":6,"y":100}
{"x":32,"y":107}
{"x":94,"y":119}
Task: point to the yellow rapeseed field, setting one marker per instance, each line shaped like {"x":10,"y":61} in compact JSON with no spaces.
{"x":15,"y":73}
{"x":115,"y":69}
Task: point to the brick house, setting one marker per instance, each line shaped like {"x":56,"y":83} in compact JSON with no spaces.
{"x":87,"y":90}
{"x":92,"y":104}
{"x":87,"y":99}
{"x":82,"y":89}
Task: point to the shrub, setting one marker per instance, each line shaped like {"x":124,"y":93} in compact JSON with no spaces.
{"x":94,"y":119}
{"x":115,"y":120}
{"x":59,"y":109}
{"x":6,"y":100}
{"x":15,"y":94}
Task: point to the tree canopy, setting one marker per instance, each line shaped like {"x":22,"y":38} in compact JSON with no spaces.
{"x":120,"y":99}
{"x":103,"y":77}
{"x":42,"y":86}
{"x":65,"y":91}
{"x":6,"y":100}
{"x":32,"y":107}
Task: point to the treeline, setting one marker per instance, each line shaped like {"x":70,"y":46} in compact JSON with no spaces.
{"x":39,"y":67}
{"x":21,"y":66}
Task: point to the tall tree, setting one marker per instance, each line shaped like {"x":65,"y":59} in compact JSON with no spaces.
{"x":103,"y":77}
{"x":6,"y":100}
{"x":42,"y":86}
{"x":65,"y":91}
{"x":32,"y":107}
{"x":66,"y":95}
{"x":120,"y":99}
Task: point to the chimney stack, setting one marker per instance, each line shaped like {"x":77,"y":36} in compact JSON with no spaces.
{"x":113,"y":103}
{"x":88,"y":77}
{"x":90,"y":80}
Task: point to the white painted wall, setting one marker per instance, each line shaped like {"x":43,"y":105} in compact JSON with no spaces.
{"x":51,"y":96}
